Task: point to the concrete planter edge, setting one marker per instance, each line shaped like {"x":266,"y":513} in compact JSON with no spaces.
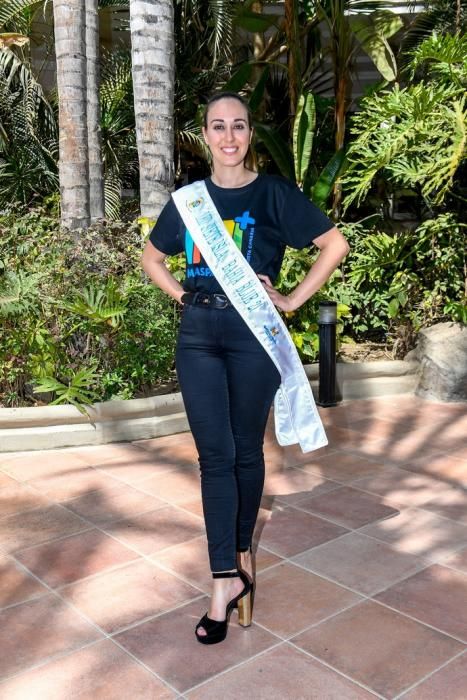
{"x":47,"y":427}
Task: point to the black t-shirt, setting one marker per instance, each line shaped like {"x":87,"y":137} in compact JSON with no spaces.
{"x":263,"y":217}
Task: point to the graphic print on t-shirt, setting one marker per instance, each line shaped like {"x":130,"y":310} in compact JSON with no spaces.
{"x":242,"y":228}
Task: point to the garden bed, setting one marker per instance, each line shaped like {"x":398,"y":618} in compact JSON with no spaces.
{"x":364,"y":352}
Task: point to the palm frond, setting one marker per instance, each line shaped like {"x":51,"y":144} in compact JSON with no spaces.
{"x":16,"y":75}
{"x":10,"y":9}
{"x":117,"y":128}
{"x":191,"y":140}
{"x":28,"y":143}
{"x":112,"y":195}
{"x":113,"y":3}
{"x":8,"y":39}
{"x":223,"y":14}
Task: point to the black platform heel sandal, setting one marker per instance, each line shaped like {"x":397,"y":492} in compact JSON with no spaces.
{"x":216,"y":631}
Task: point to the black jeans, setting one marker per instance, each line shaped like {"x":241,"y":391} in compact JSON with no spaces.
{"x":228,"y":382}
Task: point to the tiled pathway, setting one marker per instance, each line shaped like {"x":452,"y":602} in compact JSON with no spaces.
{"x":362,"y":568}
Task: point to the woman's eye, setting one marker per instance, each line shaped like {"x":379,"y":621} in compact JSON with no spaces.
{"x":240,"y":126}
{"x":218,"y":127}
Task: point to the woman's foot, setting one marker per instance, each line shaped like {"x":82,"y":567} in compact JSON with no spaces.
{"x":224,"y":590}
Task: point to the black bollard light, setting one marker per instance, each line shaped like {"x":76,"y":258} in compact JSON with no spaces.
{"x":327,"y":321}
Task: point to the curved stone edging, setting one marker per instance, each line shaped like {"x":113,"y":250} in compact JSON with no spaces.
{"x":108,"y":411}
{"x":47,"y":427}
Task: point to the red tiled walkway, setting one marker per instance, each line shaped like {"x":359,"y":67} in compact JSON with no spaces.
{"x":361,"y":559}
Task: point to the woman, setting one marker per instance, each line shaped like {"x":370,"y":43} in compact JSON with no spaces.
{"x":227,"y":379}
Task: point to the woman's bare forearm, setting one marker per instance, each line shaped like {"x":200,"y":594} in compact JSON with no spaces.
{"x":333,"y":249}
{"x":328,"y":260}
{"x":154,"y":266}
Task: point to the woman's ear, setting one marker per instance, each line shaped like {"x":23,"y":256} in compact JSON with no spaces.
{"x":251,"y":134}
{"x":203,"y":131}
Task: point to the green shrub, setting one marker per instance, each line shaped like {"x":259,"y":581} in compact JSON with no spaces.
{"x":398,"y":282}
{"x":303,"y":323}
{"x":388,"y":287}
{"x":79,"y":321}
{"x":415,"y":137}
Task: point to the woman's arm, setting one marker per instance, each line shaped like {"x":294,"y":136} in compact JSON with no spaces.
{"x":333,"y":249}
{"x":152,"y":262}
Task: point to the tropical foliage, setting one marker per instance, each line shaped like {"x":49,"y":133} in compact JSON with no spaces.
{"x":296,"y":161}
{"x":119,"y":152}
{"x":28,"y":136}
{"x":78,"y":323}
{"x":416,"y":136}
{"x":411,"y":276}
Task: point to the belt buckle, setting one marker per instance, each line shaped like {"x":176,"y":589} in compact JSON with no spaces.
{"x":220,"y":302}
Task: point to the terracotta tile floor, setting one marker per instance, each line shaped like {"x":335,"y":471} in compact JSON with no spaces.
{"x":361,"y":568}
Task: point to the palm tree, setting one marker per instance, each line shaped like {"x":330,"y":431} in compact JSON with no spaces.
{"x":80,"y":161}
{"x":70,"y":50}
{"x":152,"y":47}
{"x":96,"y":179}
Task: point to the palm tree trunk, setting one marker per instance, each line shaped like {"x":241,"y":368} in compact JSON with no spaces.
{"x":342,"y":49}
{"x":258,"y":44}
{"x":341,"y":89}
{"x":96,"y":177}
{"x":70,"y":50}
{"x":152,"y":49}
{"x":258,"y":38}
{"x":293,"y":55}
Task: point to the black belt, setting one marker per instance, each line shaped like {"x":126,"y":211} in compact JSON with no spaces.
{"x":211,"y":301}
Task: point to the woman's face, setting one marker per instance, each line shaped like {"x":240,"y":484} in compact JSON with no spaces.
{"x":227,"y":133}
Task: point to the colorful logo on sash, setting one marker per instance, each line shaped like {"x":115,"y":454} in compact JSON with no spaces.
{"x":195,"y":204}
{"x":272,"y":333}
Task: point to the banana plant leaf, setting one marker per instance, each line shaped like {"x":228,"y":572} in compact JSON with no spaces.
{"x":329,"y":174}
{"x":278,"y":149}
{"x":258,"y":93}
{"x":373,"y":31}
{"x":303,"y":135}
{"x":238,"y":80}
{"x":255,"y":21}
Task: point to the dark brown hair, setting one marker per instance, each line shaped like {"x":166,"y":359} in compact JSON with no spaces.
{"x":250,"y":158}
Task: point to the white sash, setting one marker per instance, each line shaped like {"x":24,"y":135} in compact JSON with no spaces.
{"x":295,"y":414}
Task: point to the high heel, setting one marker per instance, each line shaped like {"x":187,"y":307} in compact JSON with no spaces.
{"x":251,"y":577}
{"x":216,"y":631}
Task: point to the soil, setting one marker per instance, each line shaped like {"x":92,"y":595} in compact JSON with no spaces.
{"x":364,"y":352}
{"x":168,"y":387}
